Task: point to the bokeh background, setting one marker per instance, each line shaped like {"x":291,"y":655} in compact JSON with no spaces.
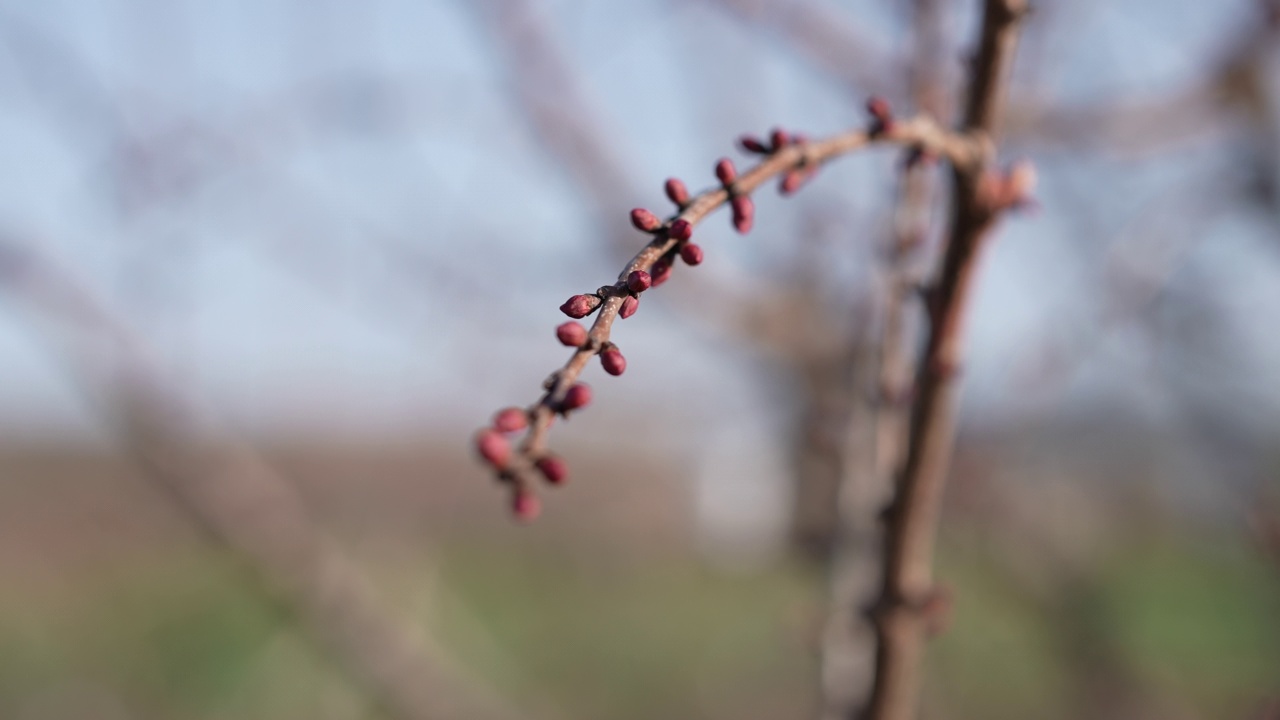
{"x":264,"y":268}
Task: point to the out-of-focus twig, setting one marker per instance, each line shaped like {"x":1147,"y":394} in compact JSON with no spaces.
{"x":829,"y":39}
{"x":1133,"y":124}
{"x":848,"y":643}
{"x":242,"y":503}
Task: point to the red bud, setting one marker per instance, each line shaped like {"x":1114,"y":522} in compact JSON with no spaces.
{"x":645,"y":220}
{"x":578,"y":396}
{"x":580,"y":306}
{"x":691,"y":254}
{"x":881,"y":113}
{"x":681,"y":229}
{"x":629,"y":307}
{"x":744,"y":211}
{"x":638,"y":281}
{"x":791,"y":182}
{"x":613,"y":361}
{"x":525,"y":505}
{"x":571,"y":334}
{"x":879,"y":108}
{"x":661,"y":272}
{"x":751,"y":143}
{"x":726,"y":172}
{"x":493,"y":448}
{"x":555,"y":470}
{"x":778,"y":139}
{"x":510,"y":420}
{"x":676,"y":191}
{"x":1021,"y":182}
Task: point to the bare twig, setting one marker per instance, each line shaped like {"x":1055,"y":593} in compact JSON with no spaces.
{"x":825,"y":36}
{"x":876,"y":441}
{"x":243,"y":504}
{"x":907,"y":595}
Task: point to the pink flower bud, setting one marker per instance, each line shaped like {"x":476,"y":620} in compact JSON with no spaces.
{"x":1021,"y":181}
{"x":744,"y":211}
{"x":645,"y":220}
{"x":510,"y":420}
{"x":638,"y":281}
{"x":681,"y":229}
{"x":751,"y":143}
{"x":525,"y":505}
{"x":613,"y":361}
{"x":691,"y":254}
{"x":661,"y":272}
{"x":778,"y":139}
{"x":580,"y":306}
{"x":881,"y":113}
{"x":726,"y":172}
{"x":571,"y":334}
{"x":676,"y":191}
{"x":879,"y":109}
{"x":791,"y":182}
{"x":555,"y":470}
{"x":493,"y":448}
{"x":578,"y":396}
{"x":629,"y":307}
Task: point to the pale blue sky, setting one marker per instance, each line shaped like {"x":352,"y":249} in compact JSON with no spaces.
{"x":331,"y":198}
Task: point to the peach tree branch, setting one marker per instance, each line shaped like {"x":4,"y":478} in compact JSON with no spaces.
{"x":791,"y":158}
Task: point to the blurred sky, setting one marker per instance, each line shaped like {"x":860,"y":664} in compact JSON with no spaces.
{"x":329,"y":216}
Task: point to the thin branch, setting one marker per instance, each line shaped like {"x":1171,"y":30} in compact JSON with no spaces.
{"x":907,"y":596}
{"x":826,"y":37}
{"x":242,"y":503}
{"x":785,"y":159}
{"x":875,"y":450}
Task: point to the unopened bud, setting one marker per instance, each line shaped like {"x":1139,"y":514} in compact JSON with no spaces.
{"x":676,"y":191}
{"x":661,"y":272}
{"x":493,"y":448}
{"x":525,"y":505}
{"x":555,"y":470}
{"x":751,"y":143}
{"x":744,"y":211}
{"x":726,"y":172}
{"x":881,"y":113}
{"x":681,"y":229}
{"x":629,"y":307}
{"x":791,"y":182}
{"x":613,"y":361}
{"x":691,"y":254}
{"x":778,"y":139}
{"x":645,"y":220}
{"x":580,"y":306}
{"x":571,"y":334}
{"x":1021,"y":181}
{"x":638,"y":281}
{"x":578,"y":396}
{"x":510,"y":420}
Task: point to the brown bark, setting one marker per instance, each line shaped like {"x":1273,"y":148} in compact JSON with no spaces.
{"x":902,"y":613}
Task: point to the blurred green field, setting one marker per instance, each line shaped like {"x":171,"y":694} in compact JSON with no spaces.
{"x":1181,"y":622}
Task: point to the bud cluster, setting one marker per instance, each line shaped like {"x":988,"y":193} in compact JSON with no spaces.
{"x":671,"y":241}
